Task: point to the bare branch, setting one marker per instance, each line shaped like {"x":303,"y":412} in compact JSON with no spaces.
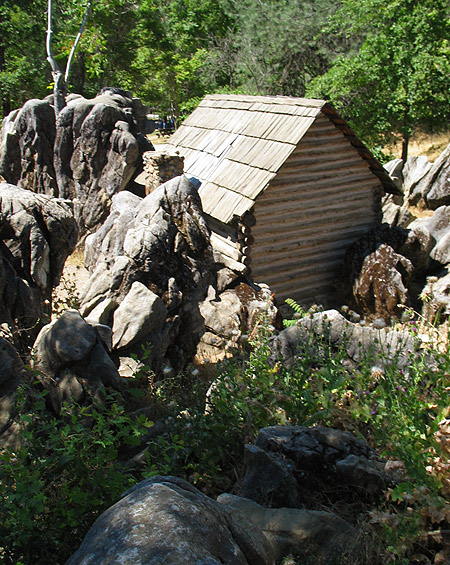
{"x":77,"y":40}
{"x":50,"y":57}
{"x":60,"y":87}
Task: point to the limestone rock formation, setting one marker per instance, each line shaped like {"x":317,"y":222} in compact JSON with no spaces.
{"x":26,"y":148}
{"x":433,"y":190}
{"x":98,"y":151}
{"x":12,"y":375}
{"x":151,"y":266}
{"x":73,"y":359}
{"x":166,"y":520}
{"x":231,"y":314}
{"x":311,"y":534}
{"x":377,"y":269}
{"x":312,"y":461}
{"x":93,"y":151}
{"x":382,"y":284}
{"x":358,"y":340}
{"x":37,"y":234}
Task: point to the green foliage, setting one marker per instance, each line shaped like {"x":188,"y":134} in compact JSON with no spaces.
{"x":69,"y":469}
{"x":275,"y":45}
{"x":65,"y":297}
{"x":65,"y":472}
{"x":396,"y":78}
{"x":22,"y":73}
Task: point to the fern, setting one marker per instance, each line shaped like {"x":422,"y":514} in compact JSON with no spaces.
{"x":297,"y":309}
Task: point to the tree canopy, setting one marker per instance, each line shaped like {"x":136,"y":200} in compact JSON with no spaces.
{"x":383,"y":63}
{"x":397,"y":76}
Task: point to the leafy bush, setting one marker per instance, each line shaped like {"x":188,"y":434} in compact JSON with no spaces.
{"x":68,"y":470}
{"x":65,"y":472}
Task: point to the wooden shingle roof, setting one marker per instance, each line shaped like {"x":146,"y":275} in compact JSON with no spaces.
{"x":233,"y":146}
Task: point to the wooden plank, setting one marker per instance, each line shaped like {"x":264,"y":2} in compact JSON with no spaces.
{"x":241,"y":178}
{"x":223,"y":204}
{"x":260,"y":153}
{"x":279,"y":198}
{"x":226,"y":246}
{"x":278,"y":251}
{"x":232,"y":205}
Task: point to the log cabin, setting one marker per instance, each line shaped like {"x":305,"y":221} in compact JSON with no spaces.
{"x":286,"y":187}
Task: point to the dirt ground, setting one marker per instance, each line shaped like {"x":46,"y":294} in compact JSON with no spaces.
{"x":430,"y":145}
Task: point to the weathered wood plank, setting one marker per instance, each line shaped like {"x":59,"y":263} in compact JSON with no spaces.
{"x":226,"y":246}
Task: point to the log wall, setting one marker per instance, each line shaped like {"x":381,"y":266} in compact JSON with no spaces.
{"x":323,"y":198}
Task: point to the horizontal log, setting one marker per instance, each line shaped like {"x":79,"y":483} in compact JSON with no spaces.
{"x":237,"y":266}
{"x":245,"y":250}
{"x":225,"y":246}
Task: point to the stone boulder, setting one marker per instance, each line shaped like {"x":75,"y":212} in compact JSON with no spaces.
{"x":98,"y":152}
{"x":37,"y":233}
{"x":406,"y":176}
{"x":433,"y":190}
{"x":438,"y":227}
{"x":73,"y":359}
{"x":437,"y":298}
{"x":231,"y":315}
{"x":151,"y":266}
{"x":12,"y":375}
{"x":167,"y":520}
{"x":379,"y":268}
{"x":300,"y":464}
{"x":358,"y":340}
{"x":26,"y":147}
{"x":312,"y":534}
{"x":92,"y":151}
{"x":381,"y":287}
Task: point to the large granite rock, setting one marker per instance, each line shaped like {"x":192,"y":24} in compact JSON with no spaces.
{"x":231,"y":314}
{"x":26,"y":148}
{"x":37,"y":233}
{"x":12,"y":375}
{"x":166,"y":520}
{"x":98,"y":151}
{"x":302,"y":463}
{"x":381,"y":287}
{"x":310,"y":534}
{"x":92,"y":151}
{"x":433,"y":190}
{"x":376,"y":272}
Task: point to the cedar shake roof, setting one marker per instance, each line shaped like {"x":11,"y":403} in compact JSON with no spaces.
{"x":234,"y":145}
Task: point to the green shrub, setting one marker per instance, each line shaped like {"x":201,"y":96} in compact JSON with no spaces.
{"x":69,"y":470}
{"x":65,"y":472}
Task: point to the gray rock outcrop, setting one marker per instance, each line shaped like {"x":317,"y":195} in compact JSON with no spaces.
{"x":358,"y":340}
{"x":379,"y":268}
{"x":151,"y":266}
{"x":307,"y":533}
{"x":37,"y":233}
{"x":433,"y":190}
{"x":166,"y":520}
{"x":231,"y":314}
{"x":73,"y":360}
{"x":90,"y":153}
{"x":12,"y":375}
{"x":26,"y":147}
{"x":300,"y":463}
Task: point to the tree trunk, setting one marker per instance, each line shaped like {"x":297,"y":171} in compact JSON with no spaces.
{"x":405,"y":143}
